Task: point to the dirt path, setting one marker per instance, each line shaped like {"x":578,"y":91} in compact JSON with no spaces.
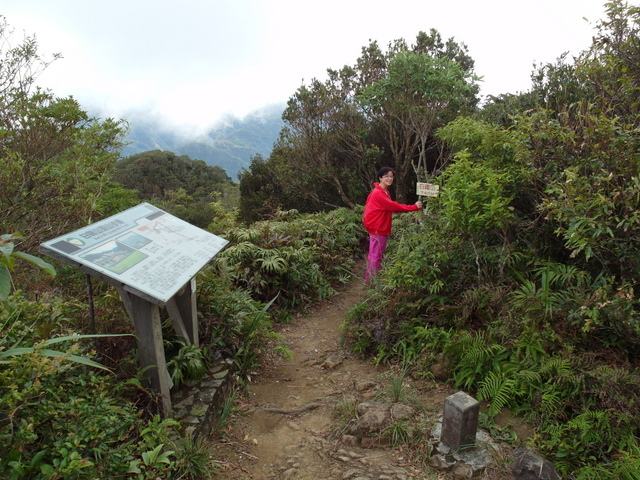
{"x":287,"y":430}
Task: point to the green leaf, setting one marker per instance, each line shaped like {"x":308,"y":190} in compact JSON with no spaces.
{"x":151,"y":457}
{"x":38,"y":457}
{"x":5,"y":282}
{"x":12,"y":352}
{"x":47,"y":267}
{"x":164,"y":457}
{"x":47,"y":469}
{"x":6,"y":249}
{"x":65,"y":338}
{"x":6,"y":244}
{"x":133,"y":467}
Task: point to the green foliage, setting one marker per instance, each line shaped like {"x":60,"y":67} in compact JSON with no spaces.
{"x":225,"y":216}
{"x":597,"y":217}
{"x":190,"y":363}
{"x":559,"y":285}
{"x":115,"y":199}
{"x":233,"y":324}
{"x":184,"y":187}
{"x":8,"y":259}
{"x":49,"y":148}
{"x":420,"y":93}
{"x":382,"y":110}
{"x":627,"y":467}
{"x":44,"y":399}
{"x":591,"y":437}
{"x":593,"y":313}
{"x":167,"y":455}
{"x":260,"y":189}
{"x":473,"y":356}
{"x":246,"y":356}
{"x":14,"y":340}
{"x":545,"y":213}
{"x":475,"y":202}
{"x":155,"y":173}
{"x":502,"y":110}
{"x":46,"y":394}
{"x":297,"y":258}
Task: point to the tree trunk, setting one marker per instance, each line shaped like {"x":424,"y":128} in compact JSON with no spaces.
{"x":342,"y":193}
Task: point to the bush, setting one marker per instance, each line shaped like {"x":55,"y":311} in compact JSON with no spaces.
{"x":60,"y":417}
{"x":298,"y":258}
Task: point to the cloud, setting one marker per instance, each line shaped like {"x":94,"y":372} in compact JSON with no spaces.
{"x":197,"y":60}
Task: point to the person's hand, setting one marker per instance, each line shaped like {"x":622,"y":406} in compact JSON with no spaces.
{"x":419,"y":204}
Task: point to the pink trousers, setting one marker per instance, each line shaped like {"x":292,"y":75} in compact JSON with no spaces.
{"x":377,"y":247}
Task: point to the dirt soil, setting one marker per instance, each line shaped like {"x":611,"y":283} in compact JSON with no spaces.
{"x":285,"y":426}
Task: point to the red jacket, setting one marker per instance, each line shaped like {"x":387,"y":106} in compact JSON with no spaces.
{"x":378,"y":209}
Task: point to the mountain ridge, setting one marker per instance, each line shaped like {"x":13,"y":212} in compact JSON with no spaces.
{"x":230,"y":144}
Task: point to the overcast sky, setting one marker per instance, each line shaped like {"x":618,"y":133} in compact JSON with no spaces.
{"x":192,"y":61}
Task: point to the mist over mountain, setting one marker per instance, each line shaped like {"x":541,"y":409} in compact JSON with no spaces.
{"x":230,"y":144}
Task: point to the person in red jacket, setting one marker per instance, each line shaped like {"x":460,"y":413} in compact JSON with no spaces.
{"x":377,"y":219}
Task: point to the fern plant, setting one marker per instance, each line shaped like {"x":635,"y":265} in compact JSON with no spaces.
{"x":555,"y":288}
{"x":296,"y":257}
{"x":526,"y":387}
{"x":500,"y":388}
{"x":588,"y":438}
{"x":473,"y":356}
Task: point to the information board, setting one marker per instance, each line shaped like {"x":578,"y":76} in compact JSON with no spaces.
{"x":143,"y":247}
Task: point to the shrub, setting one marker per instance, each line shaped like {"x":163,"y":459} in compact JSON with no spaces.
{"x":298,"y":258}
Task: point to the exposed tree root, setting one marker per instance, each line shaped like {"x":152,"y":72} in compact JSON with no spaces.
{"x":285,"y":411}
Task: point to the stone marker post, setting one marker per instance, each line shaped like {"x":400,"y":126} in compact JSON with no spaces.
{"x":460,"y":421}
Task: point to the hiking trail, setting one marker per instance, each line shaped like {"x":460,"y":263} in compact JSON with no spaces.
{"x":284,"y":427}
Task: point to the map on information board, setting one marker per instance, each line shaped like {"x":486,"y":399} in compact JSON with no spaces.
{"x":143,"y":247}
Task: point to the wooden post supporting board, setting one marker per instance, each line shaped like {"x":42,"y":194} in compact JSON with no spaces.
{"x":182,"y":310}
{"x":145,"y":316}
{"x":146,"y":321}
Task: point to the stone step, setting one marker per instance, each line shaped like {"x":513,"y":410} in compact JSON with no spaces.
{"x":197,"y":406}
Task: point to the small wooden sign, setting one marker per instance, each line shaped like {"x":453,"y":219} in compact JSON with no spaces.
{"x":427,"y":189}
